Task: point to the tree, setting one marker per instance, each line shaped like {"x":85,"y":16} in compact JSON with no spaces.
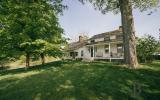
{"x":125,"y":7}
{"x":9,"y":42}
{"x":29,"y":21}
{"x":7,"y":51}
{"x":42,"y":48}
{"x":146,"y":47}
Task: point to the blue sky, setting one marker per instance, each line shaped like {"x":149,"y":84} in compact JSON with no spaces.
{"x":83,"y":19}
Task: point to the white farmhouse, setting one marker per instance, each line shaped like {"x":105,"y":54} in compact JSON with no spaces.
{"x":104,"y":46}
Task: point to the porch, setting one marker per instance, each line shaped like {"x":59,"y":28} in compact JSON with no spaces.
{"x":106,"y":51}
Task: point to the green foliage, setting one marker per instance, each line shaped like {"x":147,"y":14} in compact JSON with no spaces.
{"x":8,"y":47}
{"x":41,"y":46}
{"x":29,"y":26}
{"x":146,"y":47}
{"x":37,"y":20}
{"x":113,"y":5}
{"x":145,"y":4}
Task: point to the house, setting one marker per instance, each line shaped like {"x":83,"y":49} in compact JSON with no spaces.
{"x":156,"y":55}
{"x":106,"y":46}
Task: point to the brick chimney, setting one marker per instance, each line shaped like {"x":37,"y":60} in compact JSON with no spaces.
{"x":82,"y":38}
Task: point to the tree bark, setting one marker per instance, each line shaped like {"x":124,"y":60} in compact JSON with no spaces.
{"x":42,"y":58}
{"x":130,"y":56}
{"x":27,"y":60}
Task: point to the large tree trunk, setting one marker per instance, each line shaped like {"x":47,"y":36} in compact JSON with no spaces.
{"x":42,"y":58}
{"x":27,"y":60}
{"x":130,"y":55}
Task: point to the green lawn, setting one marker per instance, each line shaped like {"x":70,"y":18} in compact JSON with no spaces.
{"x":81,"y":81}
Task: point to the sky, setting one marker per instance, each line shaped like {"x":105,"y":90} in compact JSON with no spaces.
{"x":81,"y":19}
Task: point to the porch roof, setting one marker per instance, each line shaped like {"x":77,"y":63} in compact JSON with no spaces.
{"x":75,"y":45}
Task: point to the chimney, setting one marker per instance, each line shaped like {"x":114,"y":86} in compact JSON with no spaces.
{"x":81,"y":38}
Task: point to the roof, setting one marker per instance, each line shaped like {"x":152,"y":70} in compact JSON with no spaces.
{"x":76,"y":45}
{"x":102,"y":35}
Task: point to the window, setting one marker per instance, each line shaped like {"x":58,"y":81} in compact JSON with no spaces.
{"x":72,"y":54}
{"x":76,"y":53}
{"x":119,"y":48}
{"x":99,"y":39}
{"x":92,"y":41}
{"x":107,"y":38}
{"x":106,"y":48}
{"x":112,"y":37}
{"x":120,"y":37}
{"x":82,"y":53}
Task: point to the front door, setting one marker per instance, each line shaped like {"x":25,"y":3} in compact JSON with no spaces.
{"x":91,"y":51}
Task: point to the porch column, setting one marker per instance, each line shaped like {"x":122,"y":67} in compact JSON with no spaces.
{"x":110,"y":52}
{"x":93,"y":52}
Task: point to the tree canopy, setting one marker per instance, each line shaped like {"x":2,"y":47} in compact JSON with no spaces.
{"x":146,"y":47}
{"x":114,"y":5}
{"x":30,"y":26}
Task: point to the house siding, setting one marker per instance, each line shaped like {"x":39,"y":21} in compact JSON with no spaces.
{"x":86,"y":53}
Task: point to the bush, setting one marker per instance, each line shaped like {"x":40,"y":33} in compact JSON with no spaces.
{"x":146,"y":47}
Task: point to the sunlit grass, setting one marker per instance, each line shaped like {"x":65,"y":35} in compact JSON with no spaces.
{"x":20,"y":75}
{"x":74,"y":80}
{"x":21,"y":63}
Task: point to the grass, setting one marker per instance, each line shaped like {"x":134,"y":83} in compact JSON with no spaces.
{"x":33,"y":62}
{"x":81,"y":81}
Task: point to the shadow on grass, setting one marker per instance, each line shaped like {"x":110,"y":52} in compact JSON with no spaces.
{"x":82,"y":81}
